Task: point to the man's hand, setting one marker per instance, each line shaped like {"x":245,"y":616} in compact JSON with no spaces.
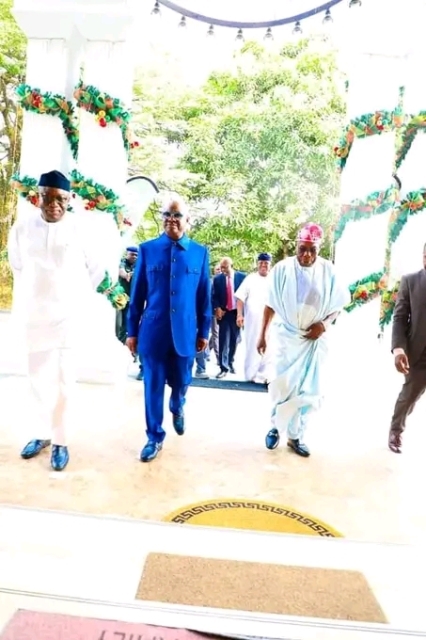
{"x":219,"y":313}
{"x":240,"y":321}
{"x":261,"y":345}
{"x":401,"y":363}
{"x":202,"y":344}
{"x":132,"y":345}
{"x":129,"y":276}
{"x":315,"y":331}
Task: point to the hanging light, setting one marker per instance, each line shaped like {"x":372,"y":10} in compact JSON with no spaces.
{"x":156,"y":10}
{"x":268,"y":35}
{"x":240,"y":36}
{"x":327,"y":18}
{"x":354,"y":3}
{"x":182,"y":23}
{"x":297,"y":29}
{"x":210,"y":32}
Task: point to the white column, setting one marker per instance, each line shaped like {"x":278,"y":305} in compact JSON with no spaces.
{"x":108,"y":67}
{"x":44,"y":144}
{"x":375,"y":69}
{"x":407,"y":250}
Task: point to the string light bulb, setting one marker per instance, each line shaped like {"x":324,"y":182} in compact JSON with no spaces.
{"x":354,"y":3}
{"x":156,"y":10}
{"x":297,"y":29}
{"x":240,"y":36}
{"x":210,"y":32}
{"x":268,"y":35}
{"x":182,"y":23}
{"x":327,"y":18}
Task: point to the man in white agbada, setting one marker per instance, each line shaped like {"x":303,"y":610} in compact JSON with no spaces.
{"x":305,"y":297}
{"x":251,"y":299}
{"x":56,"y":270}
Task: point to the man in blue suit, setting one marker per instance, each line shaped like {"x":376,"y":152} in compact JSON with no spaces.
{"x":225,"y":309}
{"x":169,"y":319}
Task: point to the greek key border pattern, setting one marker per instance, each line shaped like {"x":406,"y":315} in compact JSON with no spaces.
{"x":319,"y":529}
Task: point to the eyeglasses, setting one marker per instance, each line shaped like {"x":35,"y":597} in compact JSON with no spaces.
{"x":172,"y":214}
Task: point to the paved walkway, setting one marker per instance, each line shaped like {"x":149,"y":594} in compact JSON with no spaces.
{"x":352,"y":481}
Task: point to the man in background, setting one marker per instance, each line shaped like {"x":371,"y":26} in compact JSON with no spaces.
{"x":409,"y":349}
{"x":203,"y":357}
{"x":224,"y":303}
{"x":125,"y":274}
{"x":251,"y":298}
{"x":169,"y":319}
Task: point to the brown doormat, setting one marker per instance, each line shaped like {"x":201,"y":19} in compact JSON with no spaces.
{"x":35,"y":625}
{"x":263,"y":588}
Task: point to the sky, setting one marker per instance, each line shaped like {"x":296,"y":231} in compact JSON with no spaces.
{"x":378,"y":25}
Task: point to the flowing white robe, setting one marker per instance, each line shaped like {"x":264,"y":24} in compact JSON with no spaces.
{"x":253,"y":292}
{"x":300,"y":297}
{"x":62,"y":323}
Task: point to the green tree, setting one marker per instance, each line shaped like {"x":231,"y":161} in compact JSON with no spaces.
{"x":256,"y":146}
{"x":12,"y":70}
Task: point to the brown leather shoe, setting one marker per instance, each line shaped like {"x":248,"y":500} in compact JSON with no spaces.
{"x":395,"y":442}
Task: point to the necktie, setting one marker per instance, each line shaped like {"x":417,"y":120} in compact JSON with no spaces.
{"x":229,"y":295}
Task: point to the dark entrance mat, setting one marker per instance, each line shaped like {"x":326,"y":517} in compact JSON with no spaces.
{"x":230,"y":385}
{"x":256,"y":587}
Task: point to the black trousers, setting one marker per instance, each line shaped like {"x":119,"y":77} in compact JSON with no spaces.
{"x":412,"y":390}
{"x":228,"y":338}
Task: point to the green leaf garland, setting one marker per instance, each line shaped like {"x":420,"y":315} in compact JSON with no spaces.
{"x":51,"y":104}
{"x":369,"y":124}
{"x":408,"y":134}
{"x":388,"y":305}
{"x":94,"y":195}
{"x":366,"y":289}
{"x":114,"y":292}
{"x":106,"y":109}
{"x":376,"y":203}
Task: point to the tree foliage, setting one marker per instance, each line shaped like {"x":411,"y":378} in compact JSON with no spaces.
{"x":12,"y":69}
{"x":254,"y":147}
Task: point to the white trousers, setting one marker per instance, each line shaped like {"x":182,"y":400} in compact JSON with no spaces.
{"x":52,"y":381}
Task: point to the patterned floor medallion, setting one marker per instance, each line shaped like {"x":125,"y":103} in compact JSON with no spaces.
{"x":251,"y":514}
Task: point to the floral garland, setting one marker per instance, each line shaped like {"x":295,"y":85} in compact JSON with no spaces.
{"x":51,"y":104}
{"x":388,"y":305}
{"x":105,"y":109}
{"x":408,"y":134}
{"x":114,"y":292}
{"x":28,"y":189}
{"x":94,"y":195}
{"x":375,"y":204}
{"x":366,"y":289}
{"x":367,"y":125}
{"x":413,"y":203}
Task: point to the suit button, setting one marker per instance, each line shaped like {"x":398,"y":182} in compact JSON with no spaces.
{"x":174,"y":260}
{"x":173,"y":310}
{"x":172,"y":293}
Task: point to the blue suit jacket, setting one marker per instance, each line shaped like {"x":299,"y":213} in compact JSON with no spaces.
{"x":219,"y":288}
{"x":170,"y":296}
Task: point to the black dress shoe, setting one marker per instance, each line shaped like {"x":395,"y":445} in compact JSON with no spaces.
{"x":151,"y":451}
{"x":395,"y":442}
{"x":60,"y":457}
{"x":221,"y":374}
{"x":299,"y":448}
{"x":33,"y":448}
{"x":272,"y":439}
{"x":232,"y":370}
{"x":179,"y":424}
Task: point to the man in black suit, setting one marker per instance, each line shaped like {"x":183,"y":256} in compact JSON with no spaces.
{"x":225,"y":310}
{"x":409,"y":349}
